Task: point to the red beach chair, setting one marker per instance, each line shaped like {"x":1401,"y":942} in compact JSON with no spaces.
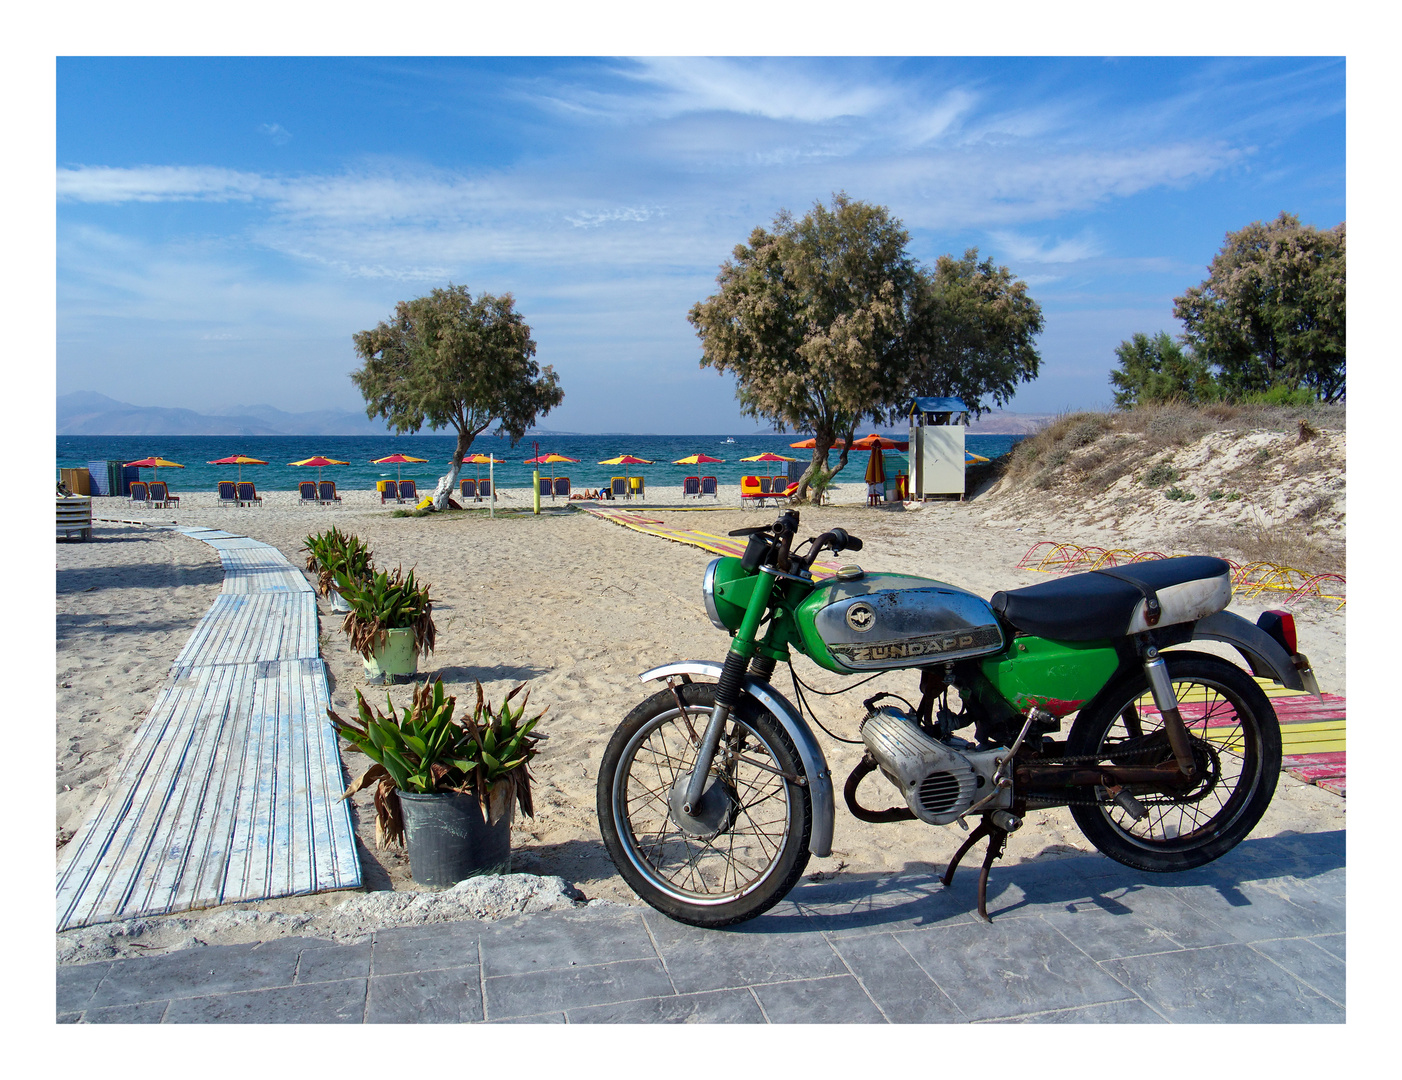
{"x":710,"y":486}
{"x":691,"y":486}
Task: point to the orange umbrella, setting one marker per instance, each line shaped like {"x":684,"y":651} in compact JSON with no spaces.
{"x":879,"y":442}
{"x":876,"y":468}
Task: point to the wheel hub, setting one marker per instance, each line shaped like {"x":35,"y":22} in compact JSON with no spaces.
{"x":711,"y":815}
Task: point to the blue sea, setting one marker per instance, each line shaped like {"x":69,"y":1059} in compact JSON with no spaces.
{"x":194,"y":451}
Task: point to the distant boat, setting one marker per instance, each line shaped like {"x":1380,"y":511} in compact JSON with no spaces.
{"x":729,"y":440}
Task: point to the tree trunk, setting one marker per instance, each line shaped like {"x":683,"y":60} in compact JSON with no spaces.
{"x":822,"y":443}
{"x":444,"y":491}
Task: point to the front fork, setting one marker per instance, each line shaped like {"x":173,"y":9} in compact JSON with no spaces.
{"x":732,"y":677}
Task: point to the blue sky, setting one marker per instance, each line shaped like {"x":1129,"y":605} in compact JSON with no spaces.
{"x":224,"y":225}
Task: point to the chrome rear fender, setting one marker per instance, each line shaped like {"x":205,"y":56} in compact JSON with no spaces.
{"x":815,"y":766}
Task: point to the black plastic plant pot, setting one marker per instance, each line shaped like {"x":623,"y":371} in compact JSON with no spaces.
{"x":450,"y":839}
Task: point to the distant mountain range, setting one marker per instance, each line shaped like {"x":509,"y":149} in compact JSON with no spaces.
{"x":89,"y":413}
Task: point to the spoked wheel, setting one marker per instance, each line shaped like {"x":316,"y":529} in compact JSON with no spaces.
{"x":1236,"y":745}
{"x":745,"y":843}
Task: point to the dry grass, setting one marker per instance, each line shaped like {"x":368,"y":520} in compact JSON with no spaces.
{"x":1283,"y":545}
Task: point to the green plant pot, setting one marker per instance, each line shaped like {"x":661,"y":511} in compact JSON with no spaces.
{"x":450,"y":839}
{"x":394,"y":659}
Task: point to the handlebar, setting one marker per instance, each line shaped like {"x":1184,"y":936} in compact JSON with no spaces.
{"x":779,"y":538}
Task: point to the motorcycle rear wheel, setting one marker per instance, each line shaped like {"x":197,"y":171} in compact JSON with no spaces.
{"x":763,"y":820}
{"x":1235,"y":735}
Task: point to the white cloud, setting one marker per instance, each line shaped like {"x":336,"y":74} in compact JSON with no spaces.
{"x":1041,"y":249}
{"x":279,"y":135}
{"x":158,"y":183}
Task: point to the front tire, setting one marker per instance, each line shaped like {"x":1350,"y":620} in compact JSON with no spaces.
{"x":757,"y":846}
{"x":1236,"y":740}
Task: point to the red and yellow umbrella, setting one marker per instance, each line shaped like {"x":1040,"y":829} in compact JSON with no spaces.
{"x":398,"y":459}
{"x":153,"y":463}
{"x":767,"y":456}
{"x":480,"y":460}
{"x":699,"y":459}
{"x":626,"y":459}
{"x":240,"y":460}
{"x":318,"y":463}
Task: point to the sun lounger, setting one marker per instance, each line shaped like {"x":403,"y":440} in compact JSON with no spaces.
{"x":328,"y":493}
{"x":780,"y":483}
{"x":691,"y":487}
{"x":469,"y":490}
{"x":228,"y":493}
{"x":788,"y":493}
{"x":618,"y":488}
{"x":710,"y":486}
{"x":545,"y":485}
{"x":307,"y":489}
{"x":484,"y":489}
{"x":140,"y":494}
{"x":562,"y":486}
{"x":751,"y":491}
{"x":389,"y":490}
{"x":161,"y":496}
{"x":408,"y":491}
{"x":248,"y":493}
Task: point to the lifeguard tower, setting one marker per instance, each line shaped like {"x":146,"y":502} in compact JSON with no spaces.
{"x":937,"y":428}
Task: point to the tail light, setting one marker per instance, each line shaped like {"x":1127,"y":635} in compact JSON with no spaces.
{"x":1281,"y":626}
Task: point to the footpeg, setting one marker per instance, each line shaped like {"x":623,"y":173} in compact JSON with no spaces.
{"x":1130,"y":805}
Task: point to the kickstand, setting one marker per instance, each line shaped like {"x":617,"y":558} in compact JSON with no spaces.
{"x":997,"y":840}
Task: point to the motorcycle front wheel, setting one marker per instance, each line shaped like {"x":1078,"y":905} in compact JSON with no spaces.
{"x":746,"y":847}
{"x":1236,"y":743}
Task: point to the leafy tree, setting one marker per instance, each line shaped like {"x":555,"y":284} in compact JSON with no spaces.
{"x":1272,"y":309}
{"x":449,"y":360}
{"x":972,"y":335}
{"x":828,"y":321}
{"x":1160,"y":369}
{"x":811,"y":318}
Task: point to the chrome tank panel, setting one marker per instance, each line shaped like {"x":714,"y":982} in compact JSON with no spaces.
{"x":883,"y":621}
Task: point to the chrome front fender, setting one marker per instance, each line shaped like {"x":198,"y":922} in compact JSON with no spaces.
{"x":1260,"y":650}
{"x":815,"y":766}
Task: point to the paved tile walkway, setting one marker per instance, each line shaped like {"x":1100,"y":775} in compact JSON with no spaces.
{"x":1257,"y":937}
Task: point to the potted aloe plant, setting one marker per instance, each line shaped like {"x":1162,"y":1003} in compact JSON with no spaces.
{"x":447,"y":786}
{"x":333,"y":551}
{"x":390,"y":621}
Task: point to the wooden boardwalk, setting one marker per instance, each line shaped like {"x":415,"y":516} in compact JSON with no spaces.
{"x":230,"y":790}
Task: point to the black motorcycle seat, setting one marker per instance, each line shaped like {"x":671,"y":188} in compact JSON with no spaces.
{"x":1094,"y":605}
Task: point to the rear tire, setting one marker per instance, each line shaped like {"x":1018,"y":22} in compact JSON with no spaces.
{"x":761,"y":848}
{"x":1234,"y":732}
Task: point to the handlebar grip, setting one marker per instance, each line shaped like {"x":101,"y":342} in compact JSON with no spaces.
{"x":842,"y":540}
{"x":853,"y":544}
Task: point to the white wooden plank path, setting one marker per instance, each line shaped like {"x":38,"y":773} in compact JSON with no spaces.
{"x":230,"y":789}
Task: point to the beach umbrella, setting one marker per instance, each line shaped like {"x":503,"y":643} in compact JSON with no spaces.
{"x":238,"y":459}
{"x":550,"y":459}
{"x":767,"y":456}
{"x":399,"y":460}
{"x":970,"y":457}
{"x":482,"y":459}
{"x":880,"y":442}
{"x":876,"y":467}
{"x":153,"y":463}
{"x":699,"y":459}
{"x":626,"y":459}
{"x":809,"y":444}
{"x":318,"y":463}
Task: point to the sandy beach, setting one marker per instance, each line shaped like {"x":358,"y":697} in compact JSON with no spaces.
{"x":575,"y":607}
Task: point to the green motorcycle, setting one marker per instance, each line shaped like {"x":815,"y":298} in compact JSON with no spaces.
{"x":713,"y":794}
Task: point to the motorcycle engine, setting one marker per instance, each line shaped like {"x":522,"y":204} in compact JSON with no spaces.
{"x":938,"y":781}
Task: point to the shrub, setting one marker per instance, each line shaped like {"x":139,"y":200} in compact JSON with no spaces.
{"x":1177,"y":494}
{"x":1160,"y":474}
